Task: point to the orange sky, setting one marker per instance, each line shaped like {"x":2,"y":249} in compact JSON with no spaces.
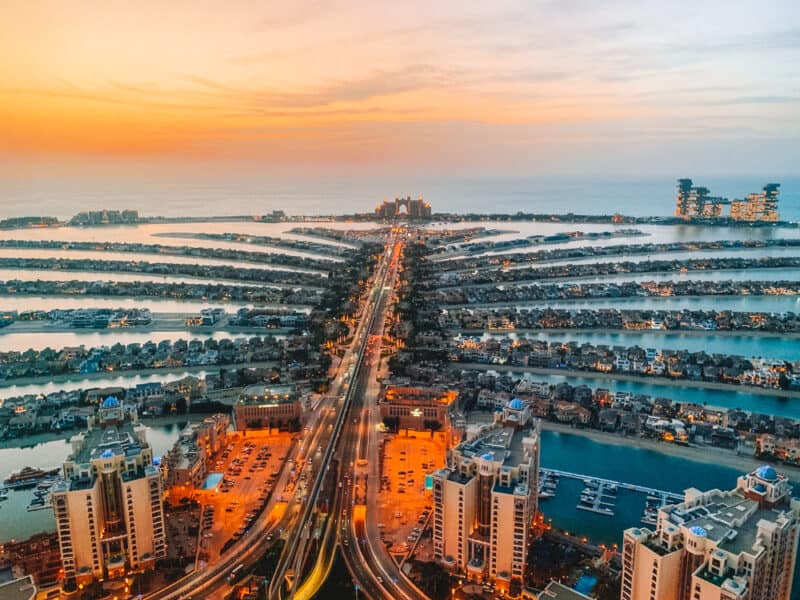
{"x":340,"y":82}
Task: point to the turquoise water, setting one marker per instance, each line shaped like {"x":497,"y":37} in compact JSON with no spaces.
{"x":212,"y":481}
{"x":15,"y":521}
{"x":128,"y":380}
{"x":740,"y":275}
{"x":585,"y":584}
{"x":770,"y":346}
{"x":772,"y":405}
{"x":776,"y":304}
{"x":577,"y":454}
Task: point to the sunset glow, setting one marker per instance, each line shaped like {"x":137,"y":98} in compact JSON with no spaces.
{"x":346,"y":83}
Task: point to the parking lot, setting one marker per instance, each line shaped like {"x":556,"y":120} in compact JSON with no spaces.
{"x":405,"y":504}
{"x":250,"y":465}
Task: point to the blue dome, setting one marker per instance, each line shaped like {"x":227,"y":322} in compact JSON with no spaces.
{"x":767,"y":473}
{"x":698,"y":531}
{"x":516,"y":404}
{"x":488,"y":456}
{"x":156,"y":460}
{"x":111,"y":402}
{"x":107,"y":454}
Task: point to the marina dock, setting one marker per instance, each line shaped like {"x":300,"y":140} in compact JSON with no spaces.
{"x":599,"y":495}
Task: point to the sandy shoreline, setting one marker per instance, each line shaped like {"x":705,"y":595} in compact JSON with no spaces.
{"x":704,"y":454}
{"x":687,"y":383}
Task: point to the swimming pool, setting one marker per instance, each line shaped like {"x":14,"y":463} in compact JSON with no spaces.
{"x":585,"y":584}
{"x":212,"y":481}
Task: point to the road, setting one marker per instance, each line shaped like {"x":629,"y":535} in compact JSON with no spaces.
{"x":342,"y":432}
{"x":365,"y":554}
{"x":326,"y":426}
{"x":367,"y":559}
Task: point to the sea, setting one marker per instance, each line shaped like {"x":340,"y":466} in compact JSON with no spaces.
{"x":334,"y":194}
{"x":337,"y":195}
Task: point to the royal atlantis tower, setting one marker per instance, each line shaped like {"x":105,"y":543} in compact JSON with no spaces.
{"x":108,"y":510}
{"x":733,"y":545}
{"x":485,"y":502}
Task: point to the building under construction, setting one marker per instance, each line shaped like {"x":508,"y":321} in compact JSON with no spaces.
{"x":760,"y":206}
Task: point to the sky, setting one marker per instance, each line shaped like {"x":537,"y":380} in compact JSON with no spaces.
{"x":570,"y":87}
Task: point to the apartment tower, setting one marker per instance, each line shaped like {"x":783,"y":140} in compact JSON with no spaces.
{"x":485,"y":501}
{"x":718,"y":545}
{"x":108,"y":509}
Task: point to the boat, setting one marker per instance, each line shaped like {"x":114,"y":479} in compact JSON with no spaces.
{"x":28,"y":477}
{"x":606,"y":512}
{"x":544,"y":495}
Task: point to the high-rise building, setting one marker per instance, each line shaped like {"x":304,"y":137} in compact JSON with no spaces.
{"x":485,"y":502}
{"x":108,"y":510}
{"x":718,"y":545}
{"x":694,"y":202}
{"x":762,"y":206}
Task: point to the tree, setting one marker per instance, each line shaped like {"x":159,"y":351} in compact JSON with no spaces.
{"x":166,"y":408}
{"x":181,"y":406}
{"x":433,"y":425}
{"x":392,"y":423}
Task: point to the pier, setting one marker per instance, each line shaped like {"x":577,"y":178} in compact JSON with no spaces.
{"x":608,"y":483}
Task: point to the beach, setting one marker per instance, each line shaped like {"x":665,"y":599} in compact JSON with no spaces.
{"x":704,"y":454}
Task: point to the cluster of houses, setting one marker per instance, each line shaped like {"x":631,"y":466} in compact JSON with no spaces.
{"x":622,"y":412}
{"x":98,"y":318}
{"x":270,"y":319}
{"x":208,"y":292}
{"x":202,"y":271}
{"x":628,"y":289}
{"x":136,"y":356}
{"x":598,"y":251}
{"x":676,"y":364}
{"x":506,"y":319}
{"x":227,"y":254}
{"x":65,"y":410}
{"x":599,"y":269}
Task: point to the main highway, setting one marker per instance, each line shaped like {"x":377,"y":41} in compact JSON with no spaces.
{"x":356,"y":535}
{"x":326,"y":426}
{"x":344,"y":437}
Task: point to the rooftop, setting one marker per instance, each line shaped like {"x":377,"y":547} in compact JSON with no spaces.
{"x":113,"y":440}
{"x":263,"y":393}
{"x":729,"y":519}
{"x":557,"y":591}
{"x":18,"y":589}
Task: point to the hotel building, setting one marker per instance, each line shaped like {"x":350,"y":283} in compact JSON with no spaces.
{"x":404,"y":207}
{"x":485,"y":501}
{"x":694,"y":202}
{"x":261,"y":406}
{"x":762,"y":206}
{"x":108,"y":510}
{"x":717,"y":545}
{"x":414,"y":406}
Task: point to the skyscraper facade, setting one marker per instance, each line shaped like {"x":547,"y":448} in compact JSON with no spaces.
{"x":485,"y":501}
{"x":108,"y":510}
